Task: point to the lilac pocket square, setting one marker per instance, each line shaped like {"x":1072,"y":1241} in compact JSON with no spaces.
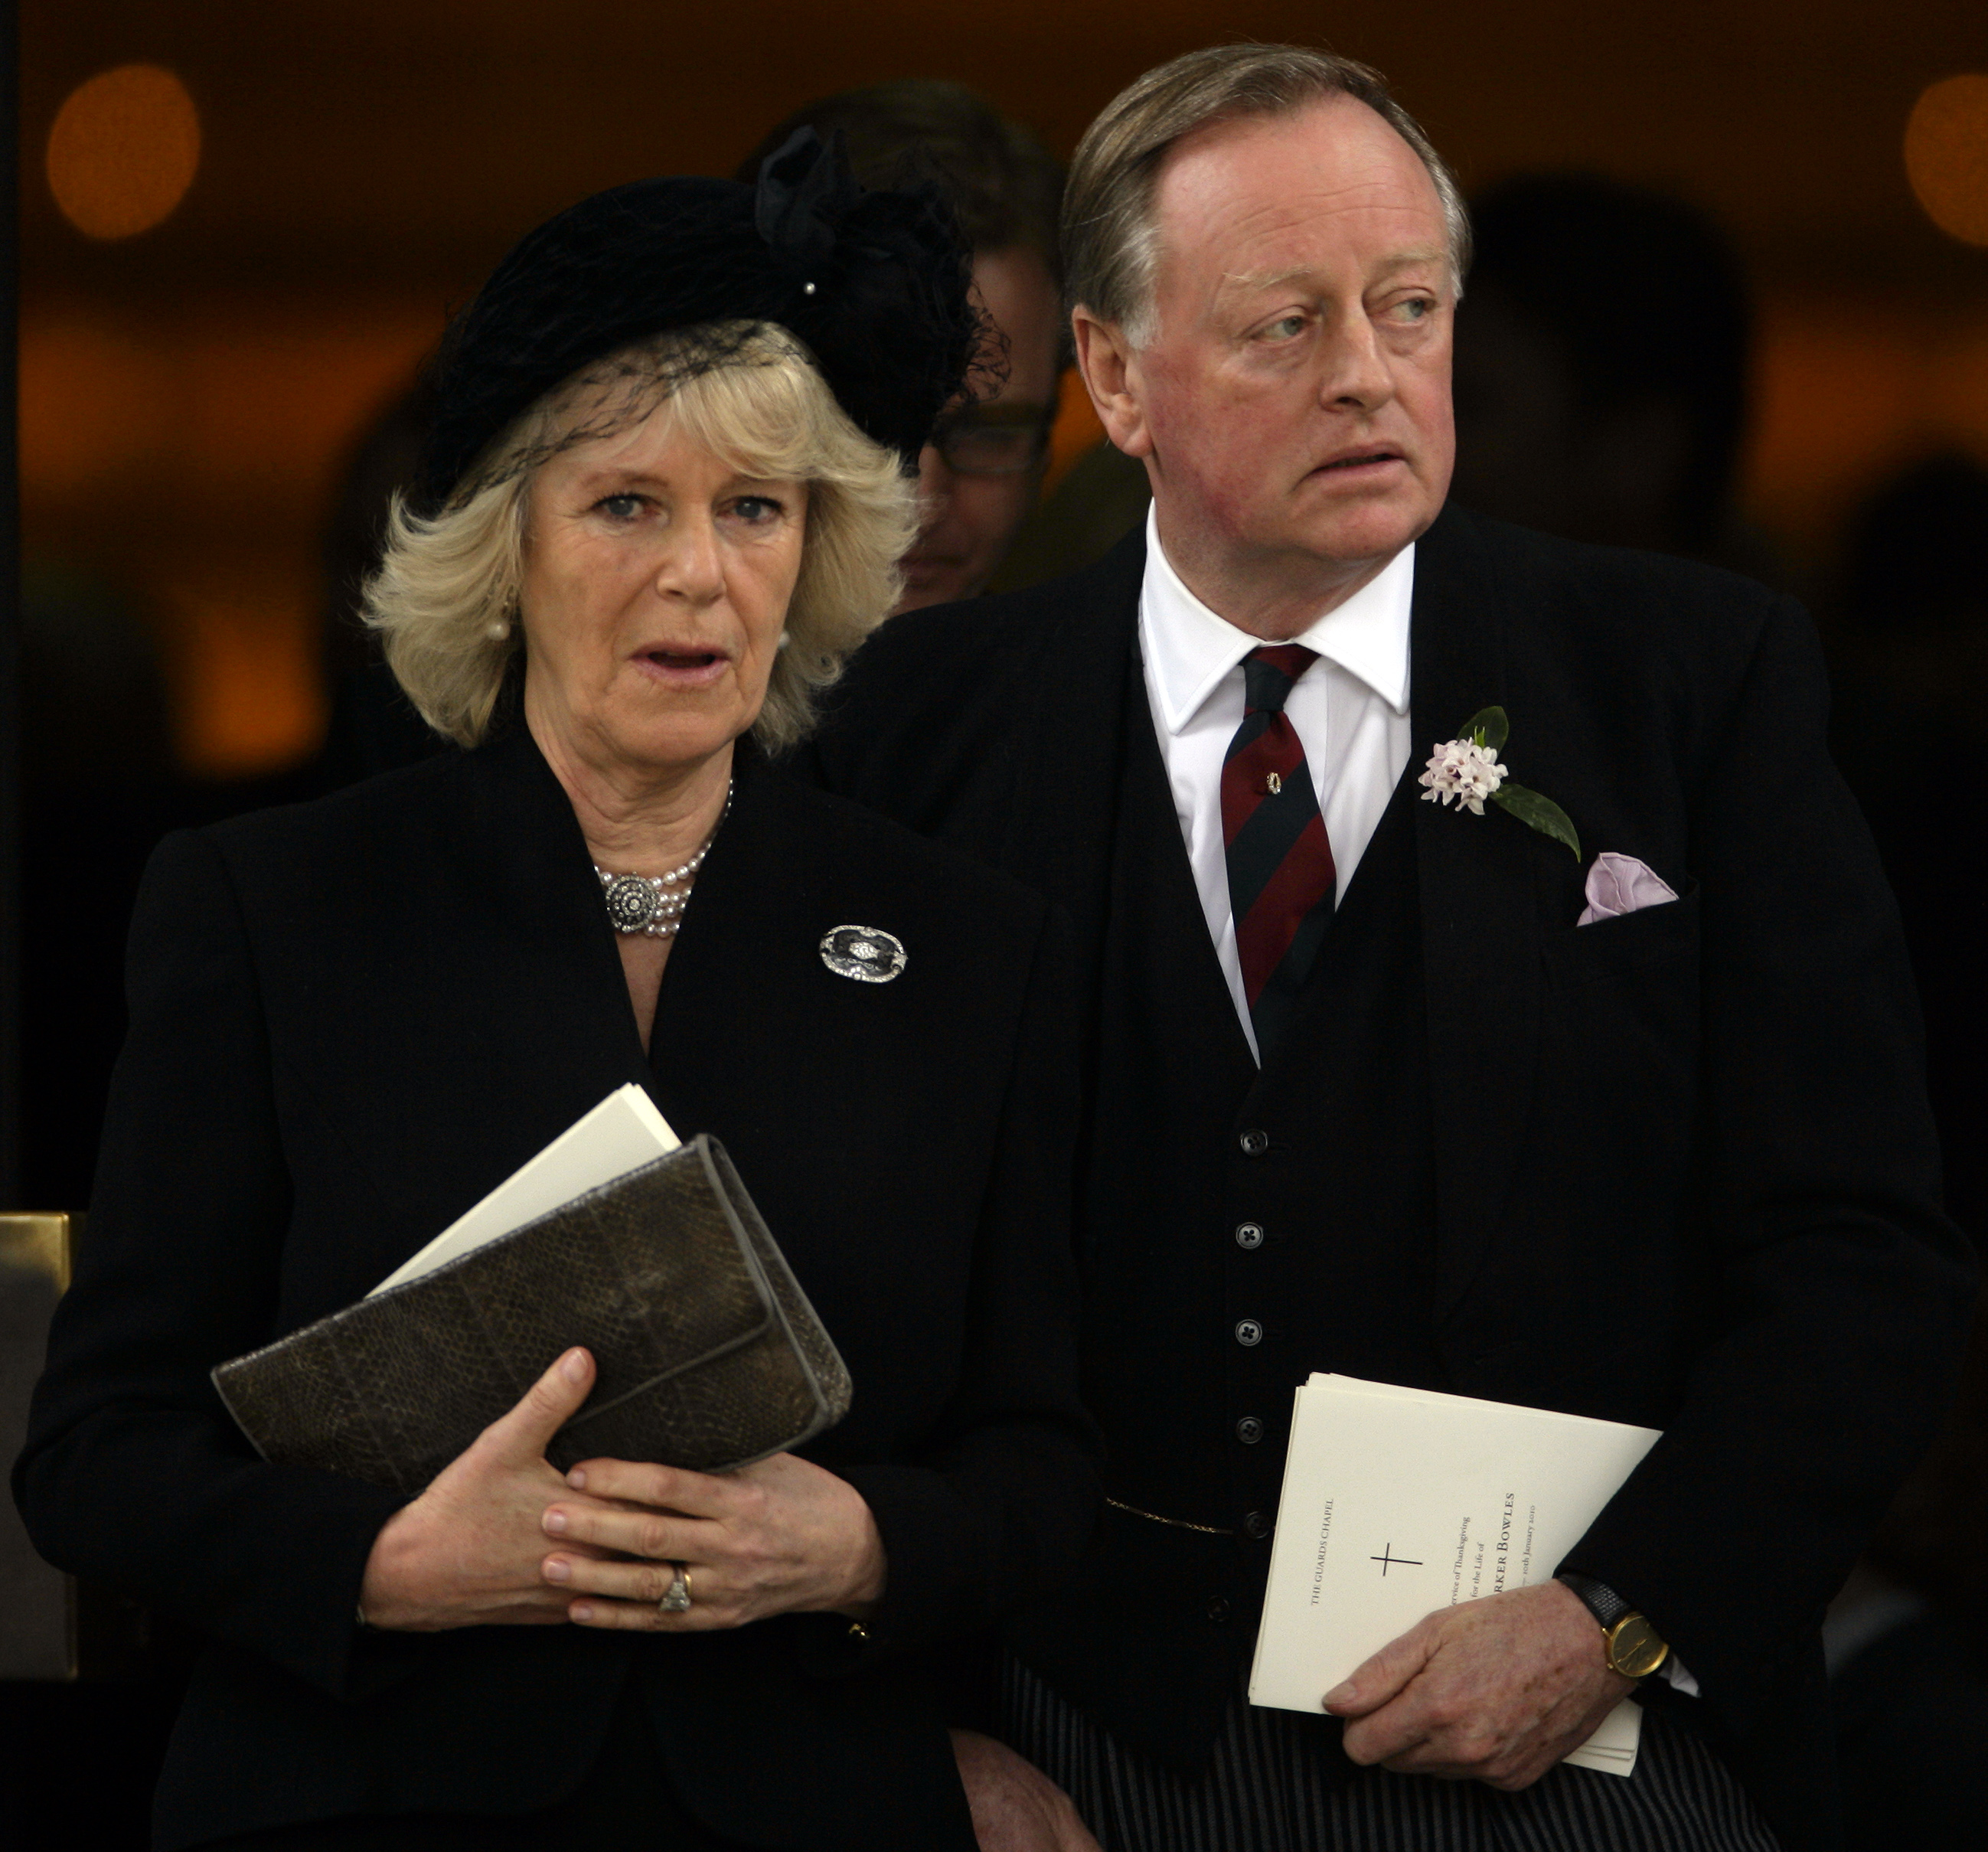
{"x":1621,"y":884}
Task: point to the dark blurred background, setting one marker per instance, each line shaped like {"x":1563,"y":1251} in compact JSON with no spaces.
{"x":190,"y":392}
{"x":1732,"y":301}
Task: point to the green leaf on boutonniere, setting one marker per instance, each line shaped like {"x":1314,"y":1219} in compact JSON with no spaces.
{"x":1542,"y":813}
{"x":1466,"y":772}
{"x":1487,"y":728}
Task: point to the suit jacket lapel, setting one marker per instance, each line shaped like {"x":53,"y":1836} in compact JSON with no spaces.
{"x":1062,"y":824}
{"x":1478,"y":907}
{"x":562,"y":1033}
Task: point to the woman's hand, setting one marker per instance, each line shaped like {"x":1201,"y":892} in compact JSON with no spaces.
{"x":776,"y":1537}
{"x":467,"y":1551}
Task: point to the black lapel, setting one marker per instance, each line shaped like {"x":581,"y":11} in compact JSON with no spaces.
{"x":469,"y":1006}
{"x":1480,"y":945}
{"x":751,"y":910}
{"x":1060,"y":833}
{"x":561,"y":1034}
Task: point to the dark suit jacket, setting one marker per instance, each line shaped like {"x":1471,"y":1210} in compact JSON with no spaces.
{"x":1683,"y":1175}
{"x":350,"y":1020}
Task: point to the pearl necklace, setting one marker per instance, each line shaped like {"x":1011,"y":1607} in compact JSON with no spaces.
{"x":653,"y":904}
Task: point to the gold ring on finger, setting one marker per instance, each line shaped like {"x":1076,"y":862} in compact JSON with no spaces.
{"x":676,"y":1597}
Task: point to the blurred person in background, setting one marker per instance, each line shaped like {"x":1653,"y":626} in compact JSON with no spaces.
{"x":1094,"y":504}
{"x":979,"y":475}
{"x":1601,"y":369}
{"x":1907,"y":1637}
{"x":1909,"y":666}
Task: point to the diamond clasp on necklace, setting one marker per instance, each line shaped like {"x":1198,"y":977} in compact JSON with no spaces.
{"x":653,"y":904}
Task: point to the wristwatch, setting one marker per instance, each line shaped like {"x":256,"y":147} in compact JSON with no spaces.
{"x":1631,"y":1646}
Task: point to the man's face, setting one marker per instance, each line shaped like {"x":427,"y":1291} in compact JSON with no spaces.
{"x":1294,"y":402}
{"x":967,"y":520}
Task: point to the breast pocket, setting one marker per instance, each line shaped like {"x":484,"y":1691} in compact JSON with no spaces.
{"x":1628,"y":945}
{"x":1620,"y":1041}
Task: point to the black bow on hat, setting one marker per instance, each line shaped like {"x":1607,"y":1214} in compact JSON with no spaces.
{"x":875,"y":285}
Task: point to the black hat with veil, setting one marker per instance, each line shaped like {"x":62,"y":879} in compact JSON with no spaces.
{"x":875,"y":286}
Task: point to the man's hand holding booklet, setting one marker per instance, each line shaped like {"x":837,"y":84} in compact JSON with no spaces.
{"x":1400,"y":1503}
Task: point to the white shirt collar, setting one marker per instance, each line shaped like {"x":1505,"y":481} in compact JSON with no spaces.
{"x":1189,"y":648}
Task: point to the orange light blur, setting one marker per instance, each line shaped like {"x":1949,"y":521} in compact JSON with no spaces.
{"x":1946,"y":155}
{"x":1848,"y":391}
{"x":124,"y":151}
{"x":189,"y":462}
{"x":1077,"y":427}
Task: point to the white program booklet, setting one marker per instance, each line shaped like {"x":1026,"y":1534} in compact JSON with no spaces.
{"x":1399,"y":1502}
{"x":621,"y":1134}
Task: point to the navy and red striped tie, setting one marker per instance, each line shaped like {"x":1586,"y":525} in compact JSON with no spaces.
{"x":1281,"y":877}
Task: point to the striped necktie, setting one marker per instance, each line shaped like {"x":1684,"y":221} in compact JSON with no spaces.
{"x":1281,"y":876}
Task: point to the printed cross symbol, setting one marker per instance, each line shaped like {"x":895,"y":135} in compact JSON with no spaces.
{"x":1388,"y":1556}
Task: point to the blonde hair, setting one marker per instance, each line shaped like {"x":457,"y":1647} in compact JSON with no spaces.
{"x":445,"y":598}
{"x":1110,"y":243}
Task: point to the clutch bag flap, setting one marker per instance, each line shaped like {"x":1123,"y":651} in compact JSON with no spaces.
{"x":707,"y":1353}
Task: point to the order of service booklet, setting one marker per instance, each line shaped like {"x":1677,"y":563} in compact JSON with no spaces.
{"x":1399,"y":1502}
{"x":621,"y":1134}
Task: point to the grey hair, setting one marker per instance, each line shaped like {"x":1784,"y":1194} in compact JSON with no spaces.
{"x":1111,"y":242}
{"x":445,"y":598}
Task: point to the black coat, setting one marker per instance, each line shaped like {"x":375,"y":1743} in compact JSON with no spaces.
{"x":350,"y":1020}
{"x":1677,"y":1166}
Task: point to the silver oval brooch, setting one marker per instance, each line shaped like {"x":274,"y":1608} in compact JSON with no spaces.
{"x":863,"y":953}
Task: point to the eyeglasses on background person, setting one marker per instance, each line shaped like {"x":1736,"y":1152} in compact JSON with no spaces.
{"x":994,"y":440}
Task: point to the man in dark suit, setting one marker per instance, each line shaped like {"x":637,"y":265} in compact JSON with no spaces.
{"x":1364,"y":1095}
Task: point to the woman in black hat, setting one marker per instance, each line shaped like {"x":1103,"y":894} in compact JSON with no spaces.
{"x":663,"y":501}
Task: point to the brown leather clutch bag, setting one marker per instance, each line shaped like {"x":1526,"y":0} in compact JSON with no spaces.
{"x":710,"y":1355}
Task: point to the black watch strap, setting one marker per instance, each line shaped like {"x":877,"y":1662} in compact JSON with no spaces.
{"x":1598,"y":1598}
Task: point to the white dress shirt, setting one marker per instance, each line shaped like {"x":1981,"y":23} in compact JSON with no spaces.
{"x":1349,"y":711}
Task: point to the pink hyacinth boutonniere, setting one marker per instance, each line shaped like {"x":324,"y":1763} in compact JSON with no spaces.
{"x":1466,"y":771}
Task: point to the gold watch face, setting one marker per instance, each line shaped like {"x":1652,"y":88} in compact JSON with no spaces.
{"x":1634,"y":1647}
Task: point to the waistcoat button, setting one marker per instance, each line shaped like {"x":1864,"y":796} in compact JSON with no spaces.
{"x":1254,"y":1142}
{"x":1248,"y":1332}
{"x":1258,"y":1525}
{"x":1249,"y":1234}
{"x":1248,"y":1430}
{"x":1217,"y":1611}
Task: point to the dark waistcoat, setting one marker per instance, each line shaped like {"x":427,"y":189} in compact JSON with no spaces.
{"x":1246,"y":1228}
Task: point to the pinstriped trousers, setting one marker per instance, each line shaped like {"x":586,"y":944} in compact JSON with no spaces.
{"x":1265,"y":1792}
